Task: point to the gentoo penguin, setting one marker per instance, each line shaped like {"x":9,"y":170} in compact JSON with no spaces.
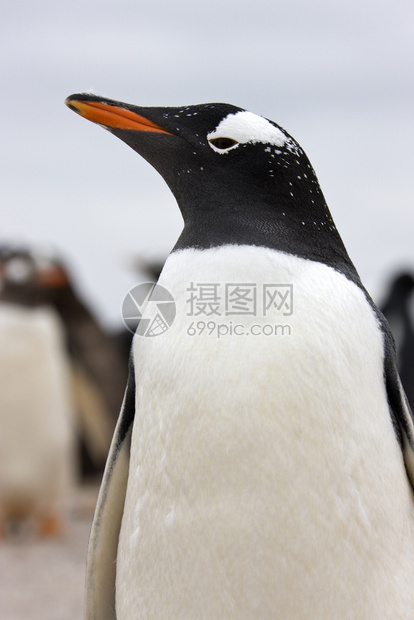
{"x":37,"y":468}
{"x":262,"y":461}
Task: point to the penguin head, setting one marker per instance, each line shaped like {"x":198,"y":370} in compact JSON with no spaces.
{"x":17,"y":268}
{"x":237,"y":177}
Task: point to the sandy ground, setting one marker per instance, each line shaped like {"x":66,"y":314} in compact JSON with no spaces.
{"x":44,"y":579}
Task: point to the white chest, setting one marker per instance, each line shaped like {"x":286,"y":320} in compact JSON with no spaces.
{"x":257,"y":470}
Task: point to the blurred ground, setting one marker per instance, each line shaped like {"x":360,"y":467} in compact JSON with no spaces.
{"x":44,"y":579}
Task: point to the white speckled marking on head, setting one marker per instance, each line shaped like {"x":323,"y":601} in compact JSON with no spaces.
{"x":244,"y":127}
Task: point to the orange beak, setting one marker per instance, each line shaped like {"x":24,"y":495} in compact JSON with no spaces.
{"x":112,"y":116}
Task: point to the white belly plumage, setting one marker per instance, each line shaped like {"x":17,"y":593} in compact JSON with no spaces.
{"x":265,"y":477}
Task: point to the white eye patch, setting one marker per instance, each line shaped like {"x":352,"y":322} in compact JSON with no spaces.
{"x":244,"y":127}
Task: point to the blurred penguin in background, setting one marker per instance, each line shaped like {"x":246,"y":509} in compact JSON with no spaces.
{"x":97,"y":369}
{"x":398,"y":310}
{"x":36,"y":410}
{"x":97,"y":364}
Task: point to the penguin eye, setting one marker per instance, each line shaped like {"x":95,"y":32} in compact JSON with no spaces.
{"x":223,"y":143}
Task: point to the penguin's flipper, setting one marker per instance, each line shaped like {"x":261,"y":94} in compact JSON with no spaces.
{"x":103,"y":541}
{"x":400,"y":409}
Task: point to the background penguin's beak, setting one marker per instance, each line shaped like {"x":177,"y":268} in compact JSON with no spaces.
{"x":111,"y":115}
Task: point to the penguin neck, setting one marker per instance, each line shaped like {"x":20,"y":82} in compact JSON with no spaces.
{"x":270,"y":228}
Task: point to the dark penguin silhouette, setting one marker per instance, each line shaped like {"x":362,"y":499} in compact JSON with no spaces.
{"x":97,"y":363}
{"x":396,"y":309}
{"x":262,"y":460}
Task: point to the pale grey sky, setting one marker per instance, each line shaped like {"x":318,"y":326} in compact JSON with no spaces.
{"x":337,"y":76}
